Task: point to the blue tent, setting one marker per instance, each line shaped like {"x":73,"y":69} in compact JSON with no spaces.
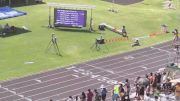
{"x":7,"y":12}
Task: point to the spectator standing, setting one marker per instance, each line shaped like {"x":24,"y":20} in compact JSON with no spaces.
{"x":97,"y":95}
{"x":158,"y":80}
{"x":151,"y":81}
{"x":121,"y":92}
{"x":157,"y":93}
{"x":167,"y":88}
{"x":124,"y":32}
{"x":103,"y":94}
{"x":154,"y":84}
{"x":127,"y":88}
{"x":177,"y":91}
{"x":77,"y":98}
{"x":137,"y":87}
{"x":141,"y":93}
{"x":89,"y":95}
{"x":176,"y":35}
{"x":83,"y":96}
{"x":114,"y":96}
{"x":116,"y":92}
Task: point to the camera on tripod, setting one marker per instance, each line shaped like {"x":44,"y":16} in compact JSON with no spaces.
{"x":102,"y":27}
{"x":53,"y":42}
{"x":100,"y":40}
{"x":175,"y":31}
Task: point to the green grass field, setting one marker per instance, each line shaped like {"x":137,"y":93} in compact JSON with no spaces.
{"x":141,"y":19}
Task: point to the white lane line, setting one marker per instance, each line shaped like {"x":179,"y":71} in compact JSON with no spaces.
{"x":90,"y":80}
{"x":124,"y":75}
{"x":59,"y":73}
{"x":72,"y":67}
{"x":106,"y":70}
{"x":75,"y":75}
{"x":95,"y":83}
{"x":3,"y":91}
{"x":93,"y":69}
{"x":48,"y":85}
{"x":129,"y":57}
{"x":102,"y":71}
{"x":39,"y":81}
{"x":144,"y":67}
{"x":139,"y":61}
{"x":97,"y":72}
{"x":161,"y":50}
{"x":43,"y":82}
{"x":133,"y":73}
{"x":36,"y":78}
{"x":142,"y":56}
{"x":108,"y":60}
{"x":57,"y":68}
{"x":14,"y":93}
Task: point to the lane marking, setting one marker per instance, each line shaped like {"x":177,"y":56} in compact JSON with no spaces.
{"x":161,"y":50}
{"x":144,"y":67}
{"x":83,"y":87}
{"x":142,"y":56}
{"x":100,"y":72}
{"x":75,"y":75}
{"x":76,"y":71}
{"x":113,"y":78}
{"x":61,"y":72}
{"x":109,"y":74}
{"x":129,"y":57}
{"x":106,"y":70}
{"x":38,"y":80}
{"x":14,"y":93}
{"x":72,"y":67}
{"x":161,"y":44}
{"x":163,"y":59}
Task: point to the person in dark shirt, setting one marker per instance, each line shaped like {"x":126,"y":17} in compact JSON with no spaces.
{"x":83,"y":96}
{"x":167,"y":88}
{"x":124,"y":32}
{"x":158,"y":79}
{"x":141,"y":92}
{"x":127,"y":87}
{"x":103,"y":94}
{"x":89,"y":95}
{"x":122,"y":92}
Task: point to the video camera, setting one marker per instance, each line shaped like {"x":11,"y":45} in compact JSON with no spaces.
{"x":100,"y":40}
{"x":102,"y":27}
{"x":175,"y":31}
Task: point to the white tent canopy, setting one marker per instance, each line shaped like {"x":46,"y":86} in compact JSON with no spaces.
{"x":58,"y":5}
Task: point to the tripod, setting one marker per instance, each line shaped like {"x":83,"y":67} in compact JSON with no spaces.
{"x":97,"y":44}
{"x":53,"y":42}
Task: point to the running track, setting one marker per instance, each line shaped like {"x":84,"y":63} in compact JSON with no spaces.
{"x":60,"y":83}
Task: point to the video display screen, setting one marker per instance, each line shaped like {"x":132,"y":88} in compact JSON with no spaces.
{"x":70,"y":18}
